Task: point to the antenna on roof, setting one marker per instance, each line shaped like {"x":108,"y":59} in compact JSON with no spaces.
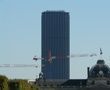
{"x":101,"y":51}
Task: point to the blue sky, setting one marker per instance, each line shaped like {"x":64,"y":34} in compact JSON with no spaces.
{"x":20,"y":33}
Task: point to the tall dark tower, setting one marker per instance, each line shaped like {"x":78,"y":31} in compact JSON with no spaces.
{"x":55,"y":42}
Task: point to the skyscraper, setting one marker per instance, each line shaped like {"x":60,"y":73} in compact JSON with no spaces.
{"x":55,"y":42}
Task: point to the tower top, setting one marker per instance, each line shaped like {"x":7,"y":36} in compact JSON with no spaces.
{"x":55,"y":11}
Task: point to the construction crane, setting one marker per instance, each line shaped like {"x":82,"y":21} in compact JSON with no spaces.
{"x":18,"y":65}
{"x":82,"y":55}
{"x":50,"y":58}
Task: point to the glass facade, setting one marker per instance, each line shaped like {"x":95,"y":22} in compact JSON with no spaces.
{"x":55,"y":42}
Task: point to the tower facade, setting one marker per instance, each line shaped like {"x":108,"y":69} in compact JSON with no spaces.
{"x":55,"y":44}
